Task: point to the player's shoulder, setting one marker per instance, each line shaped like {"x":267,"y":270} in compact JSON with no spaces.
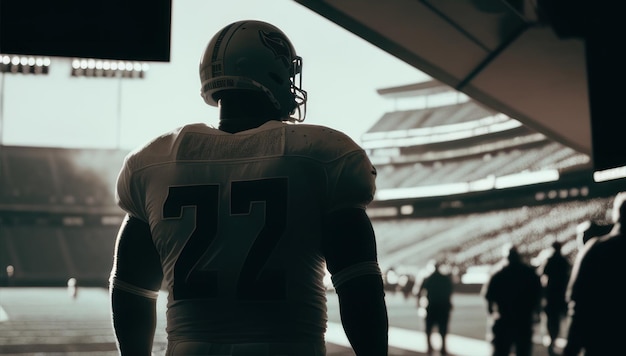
{"x":323,"y":142}
{"x":161,"y":148}
{"x":608,"y":246}
{"x":312,"y":131}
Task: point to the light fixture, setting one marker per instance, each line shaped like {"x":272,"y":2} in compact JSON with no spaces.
{"x":24,"y":64}
{"x":108,"y":68}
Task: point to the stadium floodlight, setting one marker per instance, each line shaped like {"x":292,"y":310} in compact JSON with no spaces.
{"x":108,"y":68}
{"x":422,"y":192}
{"x":526,"y":178}
{"x":24,"y":64}
{"x":389,"y":211}
{"x":609,"y":174}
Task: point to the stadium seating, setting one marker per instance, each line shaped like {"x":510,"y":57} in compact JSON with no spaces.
{"x":58,"y":216}
{"x":56,"y":177}
{"x":429,"y":149}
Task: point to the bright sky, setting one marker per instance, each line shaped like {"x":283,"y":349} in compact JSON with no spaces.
{"x":341,"y":74}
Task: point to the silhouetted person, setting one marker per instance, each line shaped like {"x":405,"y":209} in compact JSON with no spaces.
{"x":513,"y":296}
{"x":597,"y":294}
{"x":72,"y":287}
{"x":438,"y":287}
{"x":555,"y":274}
{"x":6,"y":276}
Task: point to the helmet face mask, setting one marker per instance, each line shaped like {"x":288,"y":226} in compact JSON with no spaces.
{"x":300,"y":96}
{"x":254,"y":55}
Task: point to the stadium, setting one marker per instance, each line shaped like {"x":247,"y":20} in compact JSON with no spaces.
{"x":457,"y":181}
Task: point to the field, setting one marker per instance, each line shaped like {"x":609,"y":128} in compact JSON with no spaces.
{"x":48,"y":321}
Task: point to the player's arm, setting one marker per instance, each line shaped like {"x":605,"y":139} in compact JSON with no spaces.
{"x":135,"y":281}
{"x":350,"y":249}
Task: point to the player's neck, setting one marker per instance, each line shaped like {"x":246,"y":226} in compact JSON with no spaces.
{"x":239,"y":124}
{"x":241,"y":111}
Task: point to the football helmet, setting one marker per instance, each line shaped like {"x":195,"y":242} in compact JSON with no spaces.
{"x":254,"y":55}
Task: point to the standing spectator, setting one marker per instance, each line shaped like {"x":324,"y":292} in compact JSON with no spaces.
{"x":555,"y":274}
{"x":438,"y":287}
{"x":513,"y":295}
{"x":72,"y":287}
{"x":238,"y":222}
{"x":596,"y":292}
{"x":10,"y":272}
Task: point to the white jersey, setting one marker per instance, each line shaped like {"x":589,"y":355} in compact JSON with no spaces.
{"x":236,"y":219}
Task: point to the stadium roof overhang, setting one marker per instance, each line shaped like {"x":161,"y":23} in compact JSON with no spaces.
{"x":495,"y":51}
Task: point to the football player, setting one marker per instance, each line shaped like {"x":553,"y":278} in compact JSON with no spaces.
{"x":238,"y":223}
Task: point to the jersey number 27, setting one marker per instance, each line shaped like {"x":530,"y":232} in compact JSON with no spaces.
{"x":254,"y":282}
